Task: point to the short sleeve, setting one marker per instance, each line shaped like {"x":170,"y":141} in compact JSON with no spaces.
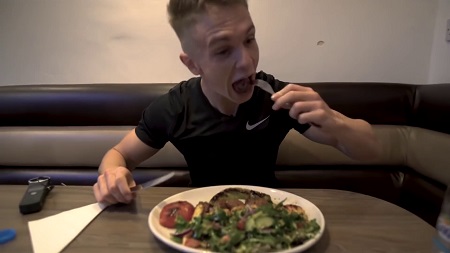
{"x":156,"y":124}
{"x":279,"y":85}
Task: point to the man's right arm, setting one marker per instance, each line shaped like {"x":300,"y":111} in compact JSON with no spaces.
{"x":129,"y":153}
{"x":115,"y":178}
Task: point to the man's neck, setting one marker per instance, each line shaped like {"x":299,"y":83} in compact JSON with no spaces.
{"x":219,"y":102}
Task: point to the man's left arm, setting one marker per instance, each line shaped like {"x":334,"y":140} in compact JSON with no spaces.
{"x":353,"y":137}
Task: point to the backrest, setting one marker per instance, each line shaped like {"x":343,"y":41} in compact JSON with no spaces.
{"x":74,"y":125}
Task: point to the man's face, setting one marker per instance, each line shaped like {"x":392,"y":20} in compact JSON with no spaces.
{"x":223,"y":48}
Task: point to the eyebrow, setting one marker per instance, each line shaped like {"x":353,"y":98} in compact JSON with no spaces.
{"x":225,"y":38}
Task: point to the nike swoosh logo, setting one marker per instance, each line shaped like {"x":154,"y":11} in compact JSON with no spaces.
{"x":250,"y":127}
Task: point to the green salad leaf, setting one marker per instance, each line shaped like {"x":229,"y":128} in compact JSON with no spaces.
{"x":266,"y":227}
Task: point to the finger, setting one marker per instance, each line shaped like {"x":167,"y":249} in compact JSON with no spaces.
{"x":316,"y":117}
{"x":131,"y":183}
{"x":290,"y":87}
{"x":124,"y":188}
{"x":292,"y":97}
{"x":303,"y":107}
{"x":113,"y":188}
{"x":128,"y":176}
{"x":97,"y":193}
{"x":104,"y":192}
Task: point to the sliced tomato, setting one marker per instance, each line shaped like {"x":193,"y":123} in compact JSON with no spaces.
{"x":170,"y":212}
{"x":192,"y":243}
{"x":241,"y":223}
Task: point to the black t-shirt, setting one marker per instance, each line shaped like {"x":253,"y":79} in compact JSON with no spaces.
{"x":220,"y":149}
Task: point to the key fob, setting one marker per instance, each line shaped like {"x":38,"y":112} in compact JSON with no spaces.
{"x":34,"y":198}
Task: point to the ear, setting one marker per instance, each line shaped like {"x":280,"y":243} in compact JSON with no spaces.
{"x":190,"y":64}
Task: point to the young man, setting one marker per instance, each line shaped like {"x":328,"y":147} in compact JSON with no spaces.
{"x":228,"y":130}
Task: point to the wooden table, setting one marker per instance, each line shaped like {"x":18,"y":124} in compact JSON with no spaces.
{"x":354,"y":222}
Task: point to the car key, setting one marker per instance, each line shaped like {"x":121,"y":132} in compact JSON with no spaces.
{"x":34,"y":197}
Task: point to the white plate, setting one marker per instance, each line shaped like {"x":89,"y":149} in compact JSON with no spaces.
{"x":205,"y":194}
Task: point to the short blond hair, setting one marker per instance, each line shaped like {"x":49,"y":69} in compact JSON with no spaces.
{"x":183,"y":13}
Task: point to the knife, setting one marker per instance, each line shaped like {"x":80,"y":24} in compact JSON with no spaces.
{"x":153,"y":182}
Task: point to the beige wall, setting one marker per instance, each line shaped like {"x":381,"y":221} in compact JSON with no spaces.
{"x":53,"y":41}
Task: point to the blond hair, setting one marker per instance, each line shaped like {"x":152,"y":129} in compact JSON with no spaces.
{"x":183,"y":13}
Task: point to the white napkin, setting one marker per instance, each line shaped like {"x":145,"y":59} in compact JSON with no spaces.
{"x":52,"y":234}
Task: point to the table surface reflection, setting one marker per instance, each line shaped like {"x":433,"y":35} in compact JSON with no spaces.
{"x":354,"y":222}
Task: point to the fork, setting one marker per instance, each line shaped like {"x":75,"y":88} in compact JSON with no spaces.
{"x":264,"y":86}
{"x":268,"y":88}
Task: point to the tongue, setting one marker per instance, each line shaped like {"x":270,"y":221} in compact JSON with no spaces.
{"x":242,"y":86}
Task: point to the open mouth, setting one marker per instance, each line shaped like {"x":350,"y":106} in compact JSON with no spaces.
{"x":244,"y":85}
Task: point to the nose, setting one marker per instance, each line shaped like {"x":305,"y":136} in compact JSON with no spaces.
{"x":244,"y":59}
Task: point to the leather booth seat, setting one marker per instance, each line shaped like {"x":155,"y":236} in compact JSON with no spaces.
{"x":63,"y":131}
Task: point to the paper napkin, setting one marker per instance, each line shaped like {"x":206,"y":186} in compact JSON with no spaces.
{"x":52,"y":234}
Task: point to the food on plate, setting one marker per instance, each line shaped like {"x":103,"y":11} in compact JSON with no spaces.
{"x":239,"y":220}
{"x":239,"y":193}
{"x":174,"y":210}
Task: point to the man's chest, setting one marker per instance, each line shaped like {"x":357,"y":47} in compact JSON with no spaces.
{"x":242,"y":137}
{"x":255,"y":127}
{"x":252,"y":122}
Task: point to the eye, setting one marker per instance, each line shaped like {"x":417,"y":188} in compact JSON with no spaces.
{"x":250,"y":40}
{"x":222,"y":52}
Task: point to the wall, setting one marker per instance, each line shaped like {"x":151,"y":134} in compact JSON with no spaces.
{"x":112,"y":41}
{"x":440,"y":56}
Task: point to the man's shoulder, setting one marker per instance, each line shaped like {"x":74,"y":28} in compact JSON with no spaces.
{"x":184,"y":88}
{"x":179,"y":93}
